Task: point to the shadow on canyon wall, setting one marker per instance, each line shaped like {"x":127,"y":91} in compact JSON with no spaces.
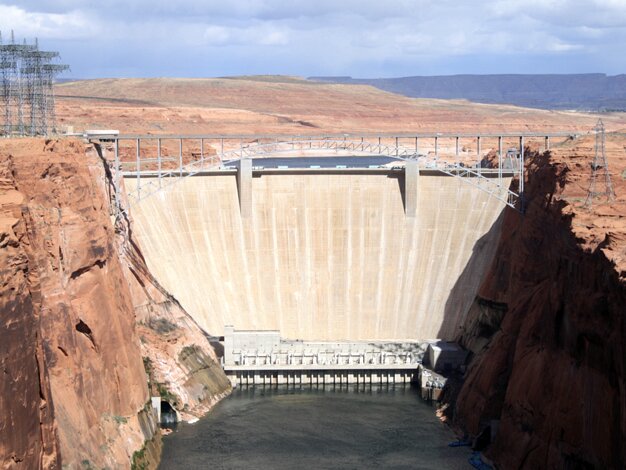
{"x":546,"y":334}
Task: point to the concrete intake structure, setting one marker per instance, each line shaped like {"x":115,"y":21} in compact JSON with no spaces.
{"x":322,"y":255}
{"x":263,"y":357}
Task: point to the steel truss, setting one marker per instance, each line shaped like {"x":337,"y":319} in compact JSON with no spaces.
{"x":152,"y":176}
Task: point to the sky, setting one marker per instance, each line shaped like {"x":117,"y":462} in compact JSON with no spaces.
{"x":359,"y":38}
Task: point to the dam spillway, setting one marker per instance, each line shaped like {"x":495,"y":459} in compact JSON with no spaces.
{"x":322,"y":255}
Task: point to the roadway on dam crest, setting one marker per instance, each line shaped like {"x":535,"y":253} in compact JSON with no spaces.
{"x":322,"y":256}
{"x":323,"y":161}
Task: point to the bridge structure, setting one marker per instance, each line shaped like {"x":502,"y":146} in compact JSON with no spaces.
{"x":486,"y":161}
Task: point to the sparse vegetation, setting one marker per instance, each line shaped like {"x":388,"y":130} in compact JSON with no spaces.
{"x":161,"y":325}
{"x":147,"y":455}
{"x":139,"y":462}
{"x":189,"y":351}
{"x":147,"y":365}
{"x":165,"y":394}
{"x":120,"y":419}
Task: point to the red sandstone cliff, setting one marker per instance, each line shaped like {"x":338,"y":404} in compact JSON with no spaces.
{"x":548,"y":329}
{"x":178,"y":356}
{"x":74,"y":393}
{"x":29,"y":435}
{"x":70,"y":352}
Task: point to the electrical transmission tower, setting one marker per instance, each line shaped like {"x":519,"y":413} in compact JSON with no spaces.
{"x":26,"y":89}
{"x":600,"y":164}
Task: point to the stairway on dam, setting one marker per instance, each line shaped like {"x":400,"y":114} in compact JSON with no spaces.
{"x":322,"y":255}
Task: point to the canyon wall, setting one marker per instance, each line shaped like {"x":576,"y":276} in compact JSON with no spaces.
{"x":322,"y":256}
{"x":181,"y":362}
{"x":29,"y":434}
{"x":74,"y":392}
{"x":548,"y":333}
{"x":72,"y":322}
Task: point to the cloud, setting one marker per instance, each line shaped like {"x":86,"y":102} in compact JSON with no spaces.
{"x":263,"y":35}
{"x":570,"y":13}
{"x":353,"y":37}
{"x":70,"y":25}
{"x":236,"y":9}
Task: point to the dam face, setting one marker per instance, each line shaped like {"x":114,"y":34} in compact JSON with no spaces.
{"x":321,"y":256}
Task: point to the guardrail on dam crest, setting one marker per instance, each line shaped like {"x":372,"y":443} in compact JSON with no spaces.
{"x":156,"y":166}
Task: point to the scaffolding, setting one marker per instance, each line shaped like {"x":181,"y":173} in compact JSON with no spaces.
{"x":26,"y":85}
{"x":600,"y":164}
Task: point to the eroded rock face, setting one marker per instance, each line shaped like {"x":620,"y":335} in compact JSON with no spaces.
{"x":553,"y":370}
{"x":74,"y":393}
{"x":71,"y":346}
{"x":178,"y":356}
{"x":27,"y":428}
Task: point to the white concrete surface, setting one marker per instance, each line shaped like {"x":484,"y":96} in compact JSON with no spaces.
{"x":321,"y":257}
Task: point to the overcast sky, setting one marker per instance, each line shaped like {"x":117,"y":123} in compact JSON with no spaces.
{"x":361,"y":38}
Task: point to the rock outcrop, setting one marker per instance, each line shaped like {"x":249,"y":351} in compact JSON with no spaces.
{"x":548,"y":335}
{"x":29,"y":434}
{"x":178,"y":355}
{"x":74,"y":384}
{"x":74,"y":393}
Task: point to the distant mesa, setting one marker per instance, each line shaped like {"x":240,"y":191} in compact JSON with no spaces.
{"x":581,"y":92}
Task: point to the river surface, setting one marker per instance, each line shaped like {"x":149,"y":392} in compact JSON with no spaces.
{"x":316,"y":428}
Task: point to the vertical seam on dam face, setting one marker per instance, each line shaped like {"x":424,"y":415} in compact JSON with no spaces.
{"x":322,"y":256}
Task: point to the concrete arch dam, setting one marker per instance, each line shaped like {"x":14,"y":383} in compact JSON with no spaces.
{"x":321,"y":254}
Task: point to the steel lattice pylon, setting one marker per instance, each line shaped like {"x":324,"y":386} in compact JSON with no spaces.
{"x":26,"y":93}
{"x":600,"y":163}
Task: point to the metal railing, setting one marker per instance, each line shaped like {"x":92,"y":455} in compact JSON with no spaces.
{"x":188,"y":156}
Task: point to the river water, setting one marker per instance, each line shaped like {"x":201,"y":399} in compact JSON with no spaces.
{"x":316,"y":428}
